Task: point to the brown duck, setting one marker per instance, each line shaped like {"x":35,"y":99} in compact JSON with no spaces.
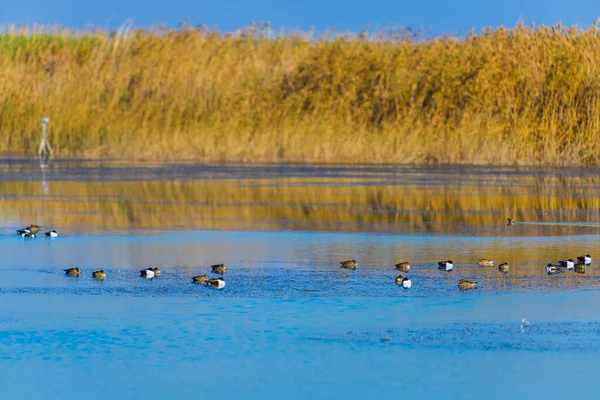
{"x":350,"y":264}
{"x":100,"y":275}
{"x":403,"y":266}
{"x":73,"y":271}
{"x":218,"y":269}
{"x":465,"y":284}
{"x":200,"y":280}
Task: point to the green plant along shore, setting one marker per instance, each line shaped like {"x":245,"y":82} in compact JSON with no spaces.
{"x":527,"y":95}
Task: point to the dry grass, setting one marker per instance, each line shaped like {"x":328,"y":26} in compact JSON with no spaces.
{"x":508,"y":96}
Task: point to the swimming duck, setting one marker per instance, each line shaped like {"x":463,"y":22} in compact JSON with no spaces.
{"x":552,"y":269}
{"x":28,"y":235}
{"x":568,"y":264}
{"x":484,"y":262}
{"x":100,"y":275}
{"x":201,"y":280}
{"x":503,"y":267}
{"x":34,"y":228}
{"x":218,"y":269}
{"x":580,"y":268}
{"x":73,"y":271}
{"x":23,"y":231}
{"x":350,"y":264}
{"x":403,"y":266}
{"x":217,"y":283}
{"x":157,"y":272}
{"x":464,"y":284}
{"x":445,"y":265}
{"x":52,"y":233}
{"x":404,"y":282}
{"x":510,"y":221}
{"x":147,"y":273}
{"x":587,"y":259}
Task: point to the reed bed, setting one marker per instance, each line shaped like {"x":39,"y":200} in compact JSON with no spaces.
{"x":301,"y":204}
{"x":526,"y":95}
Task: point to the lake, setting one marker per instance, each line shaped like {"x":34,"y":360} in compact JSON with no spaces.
{"x":290,"y":323}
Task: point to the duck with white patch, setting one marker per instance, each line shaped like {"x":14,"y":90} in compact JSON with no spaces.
{"x":446,"y":265}
{"x":552,"y":269}
{"x":147,"y":273}
{"x":406,"y":283}
{"x":52,"y":233}
{"x":587,"y":259}
{"x":218,"y":283}
{"x":568,"y":264}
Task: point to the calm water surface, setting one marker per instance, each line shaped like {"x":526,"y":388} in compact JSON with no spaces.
{"x":290,"y":323}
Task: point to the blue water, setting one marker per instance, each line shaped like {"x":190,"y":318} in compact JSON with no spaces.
{"x":290,"y":323}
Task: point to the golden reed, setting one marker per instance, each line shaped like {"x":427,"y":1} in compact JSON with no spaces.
{"x":526,"y":95}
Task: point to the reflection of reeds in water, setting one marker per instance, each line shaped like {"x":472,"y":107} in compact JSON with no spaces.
{"x":306,"y":204}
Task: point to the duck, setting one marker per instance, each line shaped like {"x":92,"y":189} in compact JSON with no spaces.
{"x":510,"y":221}
{"x":552,"y":269}
{"x":21,"y":232}
{"x":201,"y":280}
{"x":403,"y":266}
{"x":52,"y":233}
{"x":34,"y":228}
{"x":587,"y":259}
{"x":465,"y":284}
{"x":503,"y":267}
{"x":580,"y":268}
{"x":568,"y":264}
{"x":406,"y":283}
{"x":100,"y":275}
{"x":147,"y":273}
{"x":484,"y":262}
{"x":28,"y":235}
{"x":445,"y":265}
{"x":350,"y":264}
{"x":218,"y":269}
{"x":73,"y":271}
{"x":216,"y":283}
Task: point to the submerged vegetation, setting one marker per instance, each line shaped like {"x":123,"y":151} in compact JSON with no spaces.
{"x":527,"y":95}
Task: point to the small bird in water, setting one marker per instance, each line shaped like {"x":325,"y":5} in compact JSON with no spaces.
{"x":218,"y":269}
{"x":465,"y":284}
{"x":350,"y":264}
{"x":100,"y":275}
{"x":52,"y":233}
{"x":404,"y":282}
{"x":73,"y":271}
{"x":484,"y":262}
{"x":403,"y":266}
{"x":580,"y":268}
{"x":23,"y":231}
{"x":510,"y":221}
{"x":157,"y":272}
{"x":201,"y":280}
{"x":524,"y":323}
{"x":503,"y":267}
{"x":552,"y":269}
{"x":34,"y":228}
{"x":28,"y":235}
{"x":445,"y":265}
{"x":587,"y":259}
{"x":217,"y":283}
{"x":568,"y":264}
{"x":147,"y":273}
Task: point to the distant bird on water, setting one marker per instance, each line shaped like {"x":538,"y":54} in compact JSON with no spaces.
{"x":52,"y":233}
{"x":403,"y":266}
{"x":510,"y":221}
{"x":147,"y":273}
{"x":503,"y":267}
{"x":100,"y":275}
{"x":465,"y":284}
{"x":73,"y":271}
{"x":568,"y":264}
{"x":484,"y":262}
{"x":218,"y":269}
{"x":217,"y":283}
{"x":404,"y":282}
{"x":552,"y":269}
{"x":445,"y":265}
{"x":587,"y":259}
{"x":201,"y":280}
{"x":580,"y":268}
{"x":34,"y":228}
{"x":350,"y":264}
